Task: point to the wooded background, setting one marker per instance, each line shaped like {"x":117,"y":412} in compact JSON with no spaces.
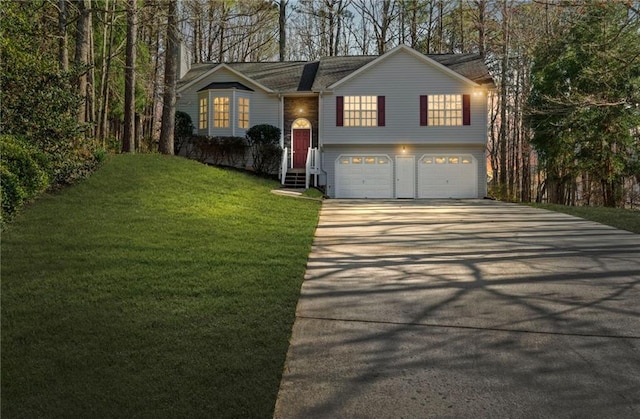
{"x":564,"y":116}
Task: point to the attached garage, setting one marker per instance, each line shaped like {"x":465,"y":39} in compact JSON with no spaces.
{"x":447,"y":176}
{"x":363,"y":176}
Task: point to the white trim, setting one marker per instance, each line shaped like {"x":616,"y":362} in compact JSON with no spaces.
{"x":320,"y":121}
{"x":225,"y":67}
{"x":233,"y":112}
{"x":281,"y":118}
{"x":413,"y":52}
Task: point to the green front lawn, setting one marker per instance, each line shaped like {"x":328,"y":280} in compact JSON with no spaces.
{"x":159,"y":287}
{"x":625,"y":219}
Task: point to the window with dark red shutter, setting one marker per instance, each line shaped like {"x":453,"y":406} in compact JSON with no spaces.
{"x":424,"y":103}
{"x":466,"y":110}
{"x":381,"y":113}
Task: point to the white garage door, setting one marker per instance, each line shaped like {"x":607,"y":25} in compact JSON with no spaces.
{"x":363,"y":176}
{"x":447,"y":176}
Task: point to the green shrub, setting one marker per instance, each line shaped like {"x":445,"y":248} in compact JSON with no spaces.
{"x":183,"y":131}
{"x":264,"y":142}
{"x":229,"y":151}
{"x":12,"y":193}
{"x":24,"y":173}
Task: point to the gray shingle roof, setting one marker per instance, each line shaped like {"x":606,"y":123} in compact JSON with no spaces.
{"x":332,"y":69}
{"x":302,"y":76}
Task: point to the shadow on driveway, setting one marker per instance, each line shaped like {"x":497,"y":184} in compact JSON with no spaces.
{"x":441,"y":308}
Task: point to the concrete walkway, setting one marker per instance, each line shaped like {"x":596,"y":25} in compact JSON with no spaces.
{"x":464,"y":309}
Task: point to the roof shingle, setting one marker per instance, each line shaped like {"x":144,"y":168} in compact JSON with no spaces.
{"x":303,"y":76}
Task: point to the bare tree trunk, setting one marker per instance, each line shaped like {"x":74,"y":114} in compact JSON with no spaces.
{"x":338,"y":28}
{"x":462,"y":49}
{"x":153,"y":115}
{"x":482,"y":37}
{"x":82,"y":53}
{"x":282,"y":41}
{"x":440,"y":26}
{"x":91,"y":78}
{"x":413,"y":31}
{"x":106,"y":69}
{"x":171,"y":66}
{"x":128,"y":140}
{"x":63,"y":53}
{"x":504,"y":98}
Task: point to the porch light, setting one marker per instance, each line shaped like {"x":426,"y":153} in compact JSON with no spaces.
{"x":404,"y":149}
{"x":478,"y":91}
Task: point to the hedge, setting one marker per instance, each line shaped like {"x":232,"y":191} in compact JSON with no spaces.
{"x":23,"y":174}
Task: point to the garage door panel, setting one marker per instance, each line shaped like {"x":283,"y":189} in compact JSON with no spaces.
{"x":363,"y":176}
{"x":447,"y":176}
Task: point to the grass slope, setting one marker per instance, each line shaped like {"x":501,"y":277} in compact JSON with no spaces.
{"x":625,"y":219}
{"x":159,"y":287}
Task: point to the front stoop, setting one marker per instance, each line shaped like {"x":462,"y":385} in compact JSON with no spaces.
{"x":295,"y":178}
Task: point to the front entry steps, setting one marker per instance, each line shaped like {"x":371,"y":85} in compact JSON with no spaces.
{"x":295,"y":178}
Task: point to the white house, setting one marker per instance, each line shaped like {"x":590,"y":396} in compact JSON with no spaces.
{"x":399,"y":125}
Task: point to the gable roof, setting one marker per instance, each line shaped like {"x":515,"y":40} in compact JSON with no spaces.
{"x":226,"y":85}
{"x":314,"y":76}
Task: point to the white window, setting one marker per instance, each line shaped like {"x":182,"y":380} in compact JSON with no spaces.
{"x":444,"y":110}
{"x":360,"y":111}
{"x":243,"y":113}
{"x":203,"y":113}
{"x":221,"y":112}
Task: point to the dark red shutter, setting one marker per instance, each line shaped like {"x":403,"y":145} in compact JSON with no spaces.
{"x":424,"y":104}
{"x":339,"y":111}
{"x":466,"y":110}
{"x":381,"y":115}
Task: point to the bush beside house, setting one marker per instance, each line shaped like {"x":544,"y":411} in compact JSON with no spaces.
{"x":259,"y":150}
{"x":221,"y":151}
{"x":264,"y":142}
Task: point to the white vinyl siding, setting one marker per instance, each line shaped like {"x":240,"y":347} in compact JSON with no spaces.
{"x":401,"y":79}
{"x":264,"y":107}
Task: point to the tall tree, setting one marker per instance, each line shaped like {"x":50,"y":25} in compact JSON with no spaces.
{"x":585,"y":104}
{"x":63,"y":42}
{"x":81,"y":58}
{"x":504,"y":96}
{"x":128,"y":140}
{"x":282,"y":30}
{"x":170,"y":73}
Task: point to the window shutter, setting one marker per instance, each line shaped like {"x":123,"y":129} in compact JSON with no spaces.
{"x":466,"y":110}
{"x":381,"y":115}
{"x":339,"y":111}
{"x":424,"y":103}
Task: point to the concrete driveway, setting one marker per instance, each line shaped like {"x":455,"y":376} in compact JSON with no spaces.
{"x":464,"y":309}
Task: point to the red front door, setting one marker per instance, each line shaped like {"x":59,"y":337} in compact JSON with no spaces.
{"x":301,"y":144}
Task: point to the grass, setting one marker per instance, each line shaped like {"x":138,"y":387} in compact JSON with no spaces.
{"x":313,"y":193}
{"x":159,"y":287}
{"x":625,"y":219}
